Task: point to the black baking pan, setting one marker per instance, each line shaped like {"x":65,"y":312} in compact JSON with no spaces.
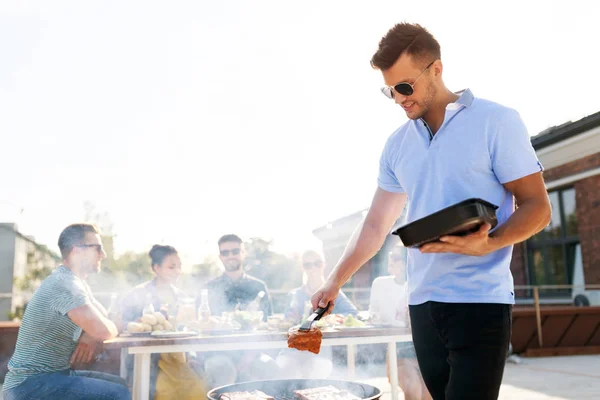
{"x":458,"y":219}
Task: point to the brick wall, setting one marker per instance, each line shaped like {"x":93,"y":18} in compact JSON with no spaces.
{"x":574,"y":167}
{"x":587,"y":192}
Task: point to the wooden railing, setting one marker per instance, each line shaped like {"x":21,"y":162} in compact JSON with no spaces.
{"x":536,"y":301}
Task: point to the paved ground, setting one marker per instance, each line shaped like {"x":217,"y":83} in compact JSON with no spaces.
{"x":551,"y":378}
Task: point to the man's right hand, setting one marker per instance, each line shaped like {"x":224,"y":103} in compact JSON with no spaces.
{"x":326,"y":294}
{"x":85,"y":350}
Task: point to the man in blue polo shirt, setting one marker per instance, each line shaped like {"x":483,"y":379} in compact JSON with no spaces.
{"x":455,"y":146}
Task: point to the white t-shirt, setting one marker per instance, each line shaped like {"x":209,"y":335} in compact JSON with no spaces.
{"x":389,"y":301}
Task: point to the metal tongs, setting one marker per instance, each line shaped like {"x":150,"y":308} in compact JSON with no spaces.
{"x":315,"y":316}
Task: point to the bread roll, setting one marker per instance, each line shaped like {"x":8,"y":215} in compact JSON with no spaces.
{"x":160,"y":318}
{"x":135,"y":327}
{"x":149,"y":319}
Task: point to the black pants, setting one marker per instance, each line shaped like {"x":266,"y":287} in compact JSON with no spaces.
{"x":461,"y":348}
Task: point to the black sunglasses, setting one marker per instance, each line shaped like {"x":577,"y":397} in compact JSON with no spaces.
{"x":234,"y":252}
{"x":98,"y":247}
{"x":404,"y":88}
{"x":311,"y":264}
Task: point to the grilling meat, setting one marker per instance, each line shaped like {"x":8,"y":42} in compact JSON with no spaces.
{"x":305,"y":340}
{"x":254,"y":395}
{"x":324,"y":393}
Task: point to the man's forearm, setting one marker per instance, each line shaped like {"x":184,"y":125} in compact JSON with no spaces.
{"x":364,"y":244}
{"x":529,"y":218}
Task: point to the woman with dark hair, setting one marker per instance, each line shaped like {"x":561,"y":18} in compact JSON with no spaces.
{"x":161,"y":291}
{"x":170,"y":375}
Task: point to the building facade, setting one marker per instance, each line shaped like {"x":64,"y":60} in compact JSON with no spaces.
{"x":566,"y":252}
{"x":23,"y":264}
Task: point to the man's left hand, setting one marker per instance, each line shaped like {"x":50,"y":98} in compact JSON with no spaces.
{"x":475,"y":244}
{"x":85,"y":350}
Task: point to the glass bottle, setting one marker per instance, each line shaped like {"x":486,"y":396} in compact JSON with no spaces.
{"x":204,"y":308}
{"x":254,"y":305}
{"x":148,"y":307}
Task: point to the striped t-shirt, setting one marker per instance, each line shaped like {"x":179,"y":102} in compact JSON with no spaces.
{"x":47,"y":337}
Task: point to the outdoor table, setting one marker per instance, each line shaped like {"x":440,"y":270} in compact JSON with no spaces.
{"x":143,"y":346}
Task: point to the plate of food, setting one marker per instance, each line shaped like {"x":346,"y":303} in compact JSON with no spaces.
{"x":351,"y":322}
{"x":148,"y":323}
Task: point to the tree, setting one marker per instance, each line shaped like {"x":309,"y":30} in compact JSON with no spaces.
{"x":119,"y":273}
{"x":40,"y":264}
{"x":122,"y":273}
{"x":278,"y":271}
{"x":209,"y":268}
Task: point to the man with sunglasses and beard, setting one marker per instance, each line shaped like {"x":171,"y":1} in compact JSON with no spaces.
{"x":62,"y":326}
{"x":455,"y":146}
{"x":235,"y":289}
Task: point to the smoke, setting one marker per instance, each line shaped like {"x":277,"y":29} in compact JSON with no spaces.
{"x":221,"y":368}
{"x":226,"y":368}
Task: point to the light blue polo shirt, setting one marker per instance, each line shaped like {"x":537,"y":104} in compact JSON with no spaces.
{"x":480,"y":146}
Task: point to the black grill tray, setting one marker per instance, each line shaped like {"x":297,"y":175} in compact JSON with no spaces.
{"x":459,"y":219}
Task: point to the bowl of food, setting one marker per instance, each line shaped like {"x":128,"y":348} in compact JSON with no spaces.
{"x":248,"y":320}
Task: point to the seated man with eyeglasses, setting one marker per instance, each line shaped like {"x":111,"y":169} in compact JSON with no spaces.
{"x":235,"y":289}
{"x":62,"y":325}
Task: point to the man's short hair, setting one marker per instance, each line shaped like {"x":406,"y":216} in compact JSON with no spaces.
{"x":74,"y":235}
{"x":229,"y":238}
{"x":313,"y":253}
{"x":405,"y":38}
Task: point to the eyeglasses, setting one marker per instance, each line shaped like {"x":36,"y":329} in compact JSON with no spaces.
{"x":98,"y":247}
{"x":311,"y":264}
{"x":234,"y":252}
{"x":404,"y":88}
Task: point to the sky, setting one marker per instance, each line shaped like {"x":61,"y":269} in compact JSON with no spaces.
{"x":187,"y":120}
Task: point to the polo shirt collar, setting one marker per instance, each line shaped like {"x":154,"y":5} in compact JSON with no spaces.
{"x":465,"y":99}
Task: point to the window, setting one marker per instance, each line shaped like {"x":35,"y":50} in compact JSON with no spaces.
{"x":550,"y":253}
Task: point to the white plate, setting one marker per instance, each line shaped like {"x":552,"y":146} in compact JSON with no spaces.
{"x":128,"y":334}
{"x":173,"y":334}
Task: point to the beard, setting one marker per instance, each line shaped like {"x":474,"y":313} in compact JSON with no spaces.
{"x":426,"y":102}
{"x":232,"y":265}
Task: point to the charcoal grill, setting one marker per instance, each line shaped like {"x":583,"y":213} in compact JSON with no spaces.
{"x":283,"y":389}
